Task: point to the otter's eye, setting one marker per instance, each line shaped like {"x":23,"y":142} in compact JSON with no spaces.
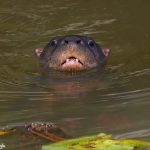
{"x":91,"y":43}
{"x":53,"y":43}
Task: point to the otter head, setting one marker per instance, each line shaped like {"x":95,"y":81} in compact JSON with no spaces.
{"x":72,"y":53}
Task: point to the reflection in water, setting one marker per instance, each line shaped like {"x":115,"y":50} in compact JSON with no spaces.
{"x":116,"y":101}
{"x":75,"y":102}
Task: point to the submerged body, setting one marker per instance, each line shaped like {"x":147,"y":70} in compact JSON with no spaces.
{"x":72,"y":52}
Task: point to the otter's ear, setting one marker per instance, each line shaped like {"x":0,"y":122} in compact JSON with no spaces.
{"x":38,"y":51}
{"x":106,"y":51}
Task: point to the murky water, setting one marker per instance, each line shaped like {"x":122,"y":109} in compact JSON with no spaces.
{"x":116,"y":101}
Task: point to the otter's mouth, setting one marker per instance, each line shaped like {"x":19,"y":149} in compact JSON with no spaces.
{"x":72,"y":63}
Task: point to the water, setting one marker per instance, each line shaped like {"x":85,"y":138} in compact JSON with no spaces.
{"x":114,"y":101}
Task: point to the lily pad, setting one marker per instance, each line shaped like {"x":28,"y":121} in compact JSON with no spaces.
{"x":97,"y":142}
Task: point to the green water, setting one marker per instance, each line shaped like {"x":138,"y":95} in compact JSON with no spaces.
{"x":115,"y":101}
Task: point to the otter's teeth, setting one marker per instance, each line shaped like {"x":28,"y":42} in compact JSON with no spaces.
{"x":77,"y":60}
{"x":67,"y":60}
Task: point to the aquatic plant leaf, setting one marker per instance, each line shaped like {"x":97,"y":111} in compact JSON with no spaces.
{"x":5,"y":132}
{"x":97,"y":142}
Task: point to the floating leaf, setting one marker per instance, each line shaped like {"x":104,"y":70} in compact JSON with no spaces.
{"x":97,"y":142}
{"x":5,"y":132}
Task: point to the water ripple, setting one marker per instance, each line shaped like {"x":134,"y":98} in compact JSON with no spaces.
{"x":147,"y":90}
{"x":134,"y":134}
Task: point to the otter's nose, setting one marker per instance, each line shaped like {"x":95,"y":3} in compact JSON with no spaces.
{"x":74,"y":40}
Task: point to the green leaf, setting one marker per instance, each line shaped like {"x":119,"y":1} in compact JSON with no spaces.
{"x":97,"y":142}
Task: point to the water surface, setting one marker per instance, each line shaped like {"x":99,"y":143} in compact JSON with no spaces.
{"x":116,"y":101}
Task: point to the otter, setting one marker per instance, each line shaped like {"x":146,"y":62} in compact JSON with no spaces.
{"x":72,"y":53}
